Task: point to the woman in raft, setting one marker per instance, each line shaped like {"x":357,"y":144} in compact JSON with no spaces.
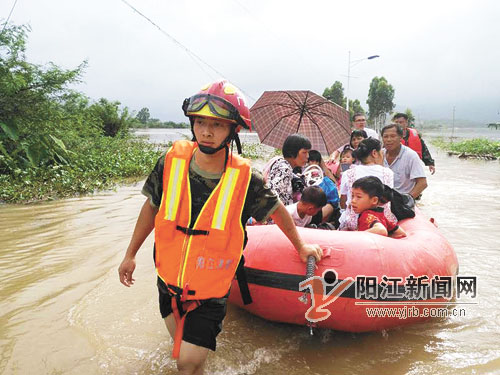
{"x":369,"y":154}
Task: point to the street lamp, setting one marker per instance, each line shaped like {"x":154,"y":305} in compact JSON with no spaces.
{"x":349,"y":65}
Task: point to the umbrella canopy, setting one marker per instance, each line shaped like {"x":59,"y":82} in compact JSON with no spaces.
{"x":277,"y":114}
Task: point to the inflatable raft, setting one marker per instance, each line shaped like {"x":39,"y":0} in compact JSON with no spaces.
{"x":395,"y":281}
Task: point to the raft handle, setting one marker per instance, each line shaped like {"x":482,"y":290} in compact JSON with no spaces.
{"x":311,"y":266}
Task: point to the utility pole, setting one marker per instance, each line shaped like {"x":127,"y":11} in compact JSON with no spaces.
{"x":453,"y":125}
{"x":349,"y":65}
{"x":348,"y":80}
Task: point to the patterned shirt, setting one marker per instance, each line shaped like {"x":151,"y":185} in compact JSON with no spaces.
{"x":368,"y":218}
{"x":280,"y":180}
{"x":260,"y":202}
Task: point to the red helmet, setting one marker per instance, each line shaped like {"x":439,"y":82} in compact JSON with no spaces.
{"x":219,"y":100}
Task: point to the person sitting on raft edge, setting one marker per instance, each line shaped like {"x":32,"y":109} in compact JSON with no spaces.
{"x":199,"y":197}
{"x":368,"y":193}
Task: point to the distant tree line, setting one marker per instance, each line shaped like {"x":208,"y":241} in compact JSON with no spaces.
{"x":144,"y":120}
{"x":381,"y":105}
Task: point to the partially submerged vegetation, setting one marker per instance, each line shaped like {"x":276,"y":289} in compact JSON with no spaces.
{"x":477,"y":147}
{"x":99,"y":164}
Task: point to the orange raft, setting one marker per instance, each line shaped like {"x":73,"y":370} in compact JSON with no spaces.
{"x":274,"y":272}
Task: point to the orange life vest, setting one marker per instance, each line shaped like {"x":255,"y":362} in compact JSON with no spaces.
{"x":413,"y":141}
{"x":201,"y":260}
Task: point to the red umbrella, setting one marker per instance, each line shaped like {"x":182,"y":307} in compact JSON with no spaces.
{"x":277,"y":114}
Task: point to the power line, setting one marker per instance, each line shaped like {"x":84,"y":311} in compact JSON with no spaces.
{"x":8,"y":18}
{"x":271,"y":32}
{"x":191,"y":54}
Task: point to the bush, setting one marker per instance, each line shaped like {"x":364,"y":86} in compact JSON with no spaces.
{"x":32,"y":121}
{"x":110,"y":118}
{"x":53,"y":141}
{"x":98,"y":164}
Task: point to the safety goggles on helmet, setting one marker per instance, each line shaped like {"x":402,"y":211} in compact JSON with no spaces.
{"x":218,"y":107}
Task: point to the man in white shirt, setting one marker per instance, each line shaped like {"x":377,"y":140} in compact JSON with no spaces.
{"x":409,"y":174}
{"x":359,"y":122}
{"x":311,"y":202}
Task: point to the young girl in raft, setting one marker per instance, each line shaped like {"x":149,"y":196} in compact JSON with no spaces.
{"x":335,"y":160}
{"x":346,"y":161}
{"x":367,"y":196}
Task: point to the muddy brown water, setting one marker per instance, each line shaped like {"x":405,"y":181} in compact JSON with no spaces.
{"x":63,"y":310}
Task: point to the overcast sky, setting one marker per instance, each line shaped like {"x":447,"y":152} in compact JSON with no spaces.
{"x":436,"y":54}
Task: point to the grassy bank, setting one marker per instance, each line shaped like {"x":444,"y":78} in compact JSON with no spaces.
{"x":99,"y":164}
{"x":471,"y":147}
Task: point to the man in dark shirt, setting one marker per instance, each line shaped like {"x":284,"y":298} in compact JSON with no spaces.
{"x":192,"y":188}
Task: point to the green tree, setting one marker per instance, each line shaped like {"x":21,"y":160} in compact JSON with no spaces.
{"x":411,"y":117}
{"x":335,"y":93}
{"x":111,"y":119}
{"x":143,"y":115}
{"x":52,"y":139}
{"x":31,"y":96}
{"x":355,"y":107}
{"x":380,"y":99}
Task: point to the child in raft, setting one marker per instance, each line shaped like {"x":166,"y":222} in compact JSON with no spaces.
{"x":331,"y":211}
{"x":312,"y":200}
{"x":356,"y":137}
{"x":368,"y":194}
{"x":347,"y":160}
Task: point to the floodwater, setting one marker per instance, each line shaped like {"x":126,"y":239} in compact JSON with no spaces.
{"x":63,"y":310}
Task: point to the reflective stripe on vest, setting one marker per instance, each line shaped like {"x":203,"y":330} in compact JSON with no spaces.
{"x":225,"y":198}
{"x":202,"y":257}
{"x":174,"y":188}
{"x":413,"y":141}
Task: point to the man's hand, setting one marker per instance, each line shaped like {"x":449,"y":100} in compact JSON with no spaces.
{"x":308,"y":249}
{"x":420,"y":186}
{"x":126,"y":270}
{"x":432,"y":169}
{"x":143,"y":227}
